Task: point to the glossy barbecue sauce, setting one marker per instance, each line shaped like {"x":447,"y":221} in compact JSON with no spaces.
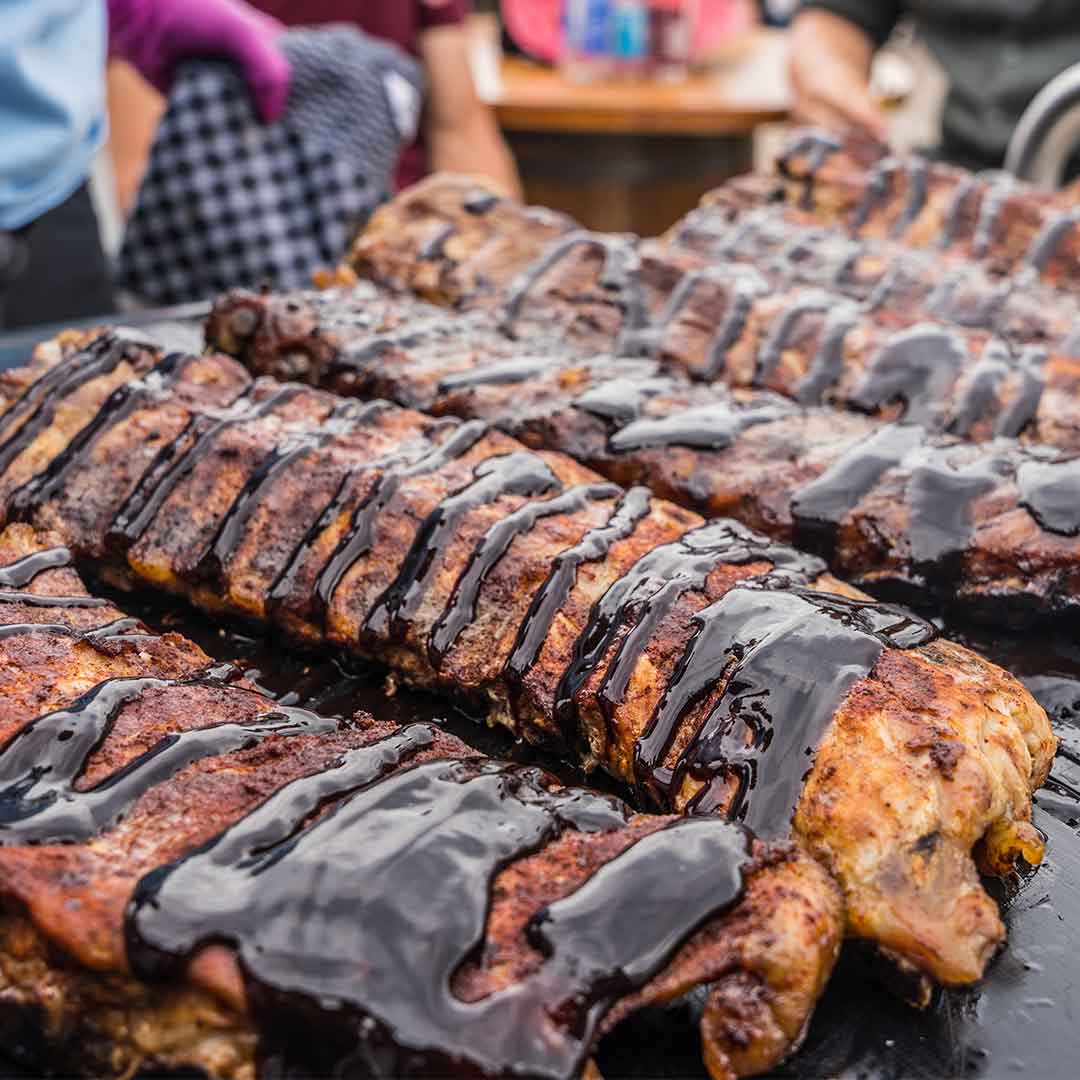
{"x":918,"y":367}
{"x":879,"y":186}
{"x":32,"y":413}
{"x":360,"y":536}
{"x":118,"y":406}
{"x":461,"y":610}
{"x":820,"y":507}
{"x":641,"y":599}
{"x":350,"y":926}
{"x":706,"y":427}
{"x":816,"y":145}
{"x":519,"y":473}
{"x":40,"y":764}
{"x":785,"y":658}
{"x":230,"y":531}
{"x":1050,"y":491}
{"x":549,"y":600}
{"x":15,"y":578}
{"x":620,"y":275}
{"x":1046,"y":244}
{"x":18,"y":576}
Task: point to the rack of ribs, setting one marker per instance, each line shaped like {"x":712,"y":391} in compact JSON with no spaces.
{"x":1010,"y":225}
{"x":887,"y":505}
{"x":192,"y":875}
{"x":894,"y":282}
{"x":586,"y":293}
{"x":697,"y":661}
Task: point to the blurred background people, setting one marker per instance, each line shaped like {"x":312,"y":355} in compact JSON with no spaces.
{"x":997,"y":55}
{"x":53,"y":121}
{"x":458,"y":132}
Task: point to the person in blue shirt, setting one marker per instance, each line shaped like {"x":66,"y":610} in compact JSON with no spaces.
{"x":52,"y":122}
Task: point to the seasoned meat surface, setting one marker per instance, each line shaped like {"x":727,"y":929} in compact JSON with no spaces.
{"x":992,"y":217}
{"x":74,"y":938}
{"x":748,"y":327}
{"x":868,"y":496}
{"x":608,"y":622}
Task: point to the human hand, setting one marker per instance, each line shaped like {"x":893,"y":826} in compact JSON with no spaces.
{"x":829,"y":68}
{"x":155,"y":35}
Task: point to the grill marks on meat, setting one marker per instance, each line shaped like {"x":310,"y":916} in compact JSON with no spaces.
{"x":569,"y":570}
{"x":183,"y":865}
{"x":989,"y":216}
{"x":856,"y":491}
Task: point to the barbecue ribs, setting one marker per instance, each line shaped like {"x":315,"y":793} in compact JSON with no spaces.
{"x":887,"y":506}
{"x":697,"y":661}
{"x":143,"y":787}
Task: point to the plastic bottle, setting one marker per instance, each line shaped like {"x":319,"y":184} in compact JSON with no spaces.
{"x":631,"y":38}
{"x":671,"y":35}
{"x":588,"y":31}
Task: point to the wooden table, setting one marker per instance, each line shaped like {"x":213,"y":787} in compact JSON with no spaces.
{"x":635,"y":156}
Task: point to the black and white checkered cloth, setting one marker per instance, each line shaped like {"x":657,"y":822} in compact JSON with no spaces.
{"x":229,"y":201}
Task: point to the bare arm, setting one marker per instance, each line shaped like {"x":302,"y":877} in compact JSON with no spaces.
{"x":461,"y":131}
{"x":830,"y":75}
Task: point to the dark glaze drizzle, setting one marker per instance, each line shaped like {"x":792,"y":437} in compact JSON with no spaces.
{"x":1046,"y":244}
{"x":631,"y":510}
{"x":172,"y":465}
{"x":519,"y":473}
{"x":117,"y":630}
{"x":619,"y":275}
{"x":964,"y":190}
{"x":707,"y":427}
{"x":980,"y":397}
{"x":745,"y":288}
{"x":37,"y":406}
{"x":819,"y":507}
{"x":40,"y":764}
{"x":878,"y":185}
{"x":360,"y":536}
{"x":980,"y":394}
{"x":811,"y":303}
{"x":119,"y":405}
{"x":643,"y":597}
{"x":504,"y":373}
{"x":230,"y":530}
{"x":939,"y":498}
{"x":19,"y":574}
{"x":372,"y":996}
{"x":622,"y":399}
{"x":461,"y":610}
{"x":1050,"y":492}
{"x":998,"y":186}
{"x":827,"y":365}
{"x":816,"y":144}
{"x":918,"y":367}
{"x":787,"y":657}
{"x":481,"y":203}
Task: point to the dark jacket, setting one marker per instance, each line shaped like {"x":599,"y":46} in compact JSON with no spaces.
{"x":998,"y":55}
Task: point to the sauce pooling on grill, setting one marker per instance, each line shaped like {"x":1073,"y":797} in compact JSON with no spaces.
{"x":331,"y":917}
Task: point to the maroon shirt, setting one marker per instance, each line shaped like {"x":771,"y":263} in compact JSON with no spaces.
{"x":400,"y":21}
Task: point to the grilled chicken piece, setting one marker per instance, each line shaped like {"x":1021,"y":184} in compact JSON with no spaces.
{"x":612,"y":623}
{"x":989,"y":216}
{"x":88,"y":937}
{"x":896,"y":283}
{"x":883,"y":504}
{"x":589,"y":292}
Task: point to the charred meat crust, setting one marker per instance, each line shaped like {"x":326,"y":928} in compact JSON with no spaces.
{"x":862,"y":494}
{"x":436,"y":513}
{"x":64,"y":975}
